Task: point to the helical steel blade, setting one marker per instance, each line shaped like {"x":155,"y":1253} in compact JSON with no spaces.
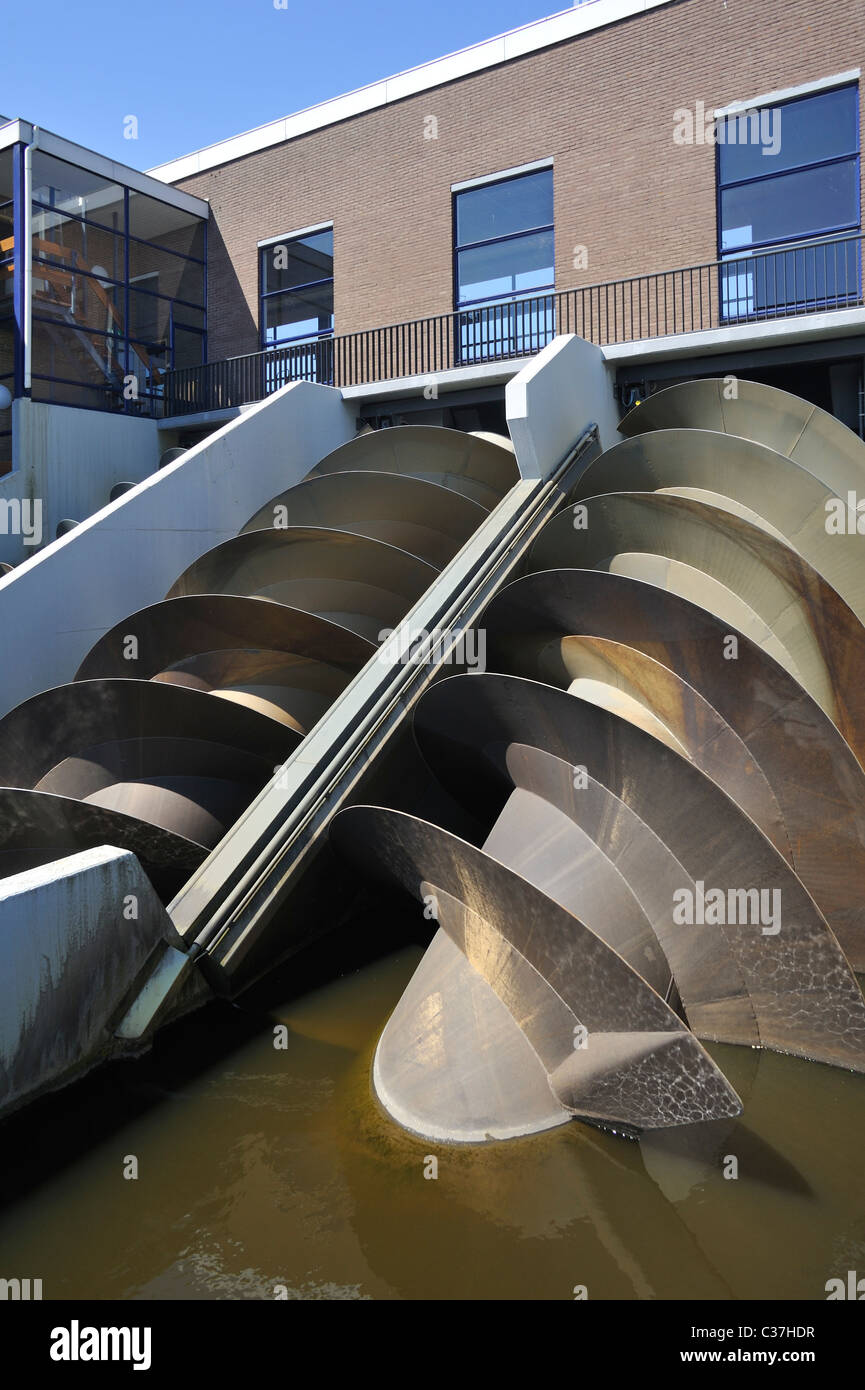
{"x":422,"y":518}
{"x":474,"y":465}
{"x":749,"y":479}
{"x":667,"y":765}
{"x":180,"y":713}
{"x":805,"y":997}
{"x":814,"y":779}
{"x":682,"y":771}
{"x":641,"y":1067}
{"x":164,"y":754}
{"x":811,"y":437}
{"x":707,"y":978}
{"x":757,"y":584}
{"x":355,"y":581}
{"x":39,"y":827}
{"x":279,"y":660}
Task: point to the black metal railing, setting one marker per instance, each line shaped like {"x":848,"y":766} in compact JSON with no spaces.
{"x":802,"y":278}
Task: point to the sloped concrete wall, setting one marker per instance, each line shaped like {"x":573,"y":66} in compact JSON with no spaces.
{"x":550,"y":402}
{"x":55,"y":605}
{"x":69,"y":460}
{"x":74,"y":936}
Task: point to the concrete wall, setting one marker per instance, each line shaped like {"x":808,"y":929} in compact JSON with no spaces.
{"x":55,"y":605}
{"x":74,"y":936}
{"x":551,"y":401}
{"x":600,"y":105}
{"x":69,"y":460}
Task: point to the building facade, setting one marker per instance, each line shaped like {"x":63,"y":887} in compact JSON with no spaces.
{"x":678,"y":181}
{"x":592,"y":155}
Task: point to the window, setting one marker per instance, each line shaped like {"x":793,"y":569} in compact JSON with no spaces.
{"x":296,"y":278}
{"x":148,"y":314}
{"x":503,"y":261}
{"x":161,"y":224}
{"x":789,"y":176}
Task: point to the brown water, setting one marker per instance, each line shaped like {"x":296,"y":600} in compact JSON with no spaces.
{"x":261,"y":1168}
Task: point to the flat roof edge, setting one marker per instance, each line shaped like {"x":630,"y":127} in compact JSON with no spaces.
{"x":580,"y":19}
{"x":38,"y":137}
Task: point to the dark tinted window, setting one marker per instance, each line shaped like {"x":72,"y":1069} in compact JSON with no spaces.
{"x":504,"y":238}
{"x":297,"y":288}
{"x":500,"y":209}
{"x":790,"y":171}
{"x":305,"y":261}
{"x":786,"y":137}
{"x":804,"y":203}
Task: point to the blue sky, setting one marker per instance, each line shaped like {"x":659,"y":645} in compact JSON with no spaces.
{"x":193,"y":73}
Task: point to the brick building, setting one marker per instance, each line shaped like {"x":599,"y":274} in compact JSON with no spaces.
{"x":593,"y":93}
{"x":677,"y":180}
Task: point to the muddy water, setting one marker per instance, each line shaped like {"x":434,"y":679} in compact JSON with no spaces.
{"x":263,"y":1169}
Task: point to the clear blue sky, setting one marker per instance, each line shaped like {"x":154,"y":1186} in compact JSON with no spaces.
{"x":196,"y":71}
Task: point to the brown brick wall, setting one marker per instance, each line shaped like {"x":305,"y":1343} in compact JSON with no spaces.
{"x":601,"y":105}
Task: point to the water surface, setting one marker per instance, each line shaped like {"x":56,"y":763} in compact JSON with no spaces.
{"x":263,"y":1170}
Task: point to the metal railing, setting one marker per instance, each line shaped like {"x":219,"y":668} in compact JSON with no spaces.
{"x":787,"y":281}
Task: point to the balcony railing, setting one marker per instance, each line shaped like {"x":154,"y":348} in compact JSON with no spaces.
{"x":802,"y":278}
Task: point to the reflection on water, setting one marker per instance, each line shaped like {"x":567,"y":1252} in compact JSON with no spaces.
{"x":261,"y":1168}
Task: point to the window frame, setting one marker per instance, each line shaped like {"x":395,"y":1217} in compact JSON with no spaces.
{"x":854,"y":156}
{"x":152,"y":395}
{"x":510,"y":176}
{"x":286,"y":240}
{"x":738,"y":259}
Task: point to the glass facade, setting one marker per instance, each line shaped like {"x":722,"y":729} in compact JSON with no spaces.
{"x":788,"y":176}
{"x":118,"y":290}
{"x":504,"y":251}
